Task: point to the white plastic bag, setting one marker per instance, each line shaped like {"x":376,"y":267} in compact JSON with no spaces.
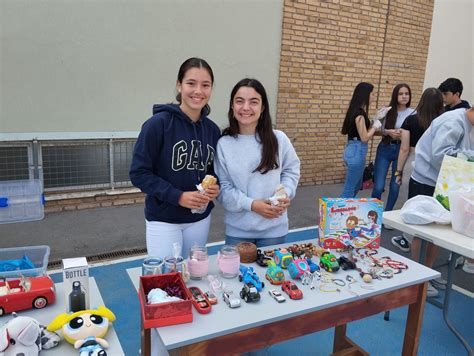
{"x":423,"y":209}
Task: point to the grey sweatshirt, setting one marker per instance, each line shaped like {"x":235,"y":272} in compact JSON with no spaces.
{"x":236,"y":160}
{"x":448,"y":134}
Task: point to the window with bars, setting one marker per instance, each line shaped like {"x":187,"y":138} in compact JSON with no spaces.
{"x":70,"y":165}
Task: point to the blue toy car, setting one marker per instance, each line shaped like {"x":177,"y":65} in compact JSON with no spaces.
{"x":248,"y":275}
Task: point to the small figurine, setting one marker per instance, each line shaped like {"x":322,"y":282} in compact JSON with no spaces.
{"x":274,"y":274}
{"x":85,"y":329}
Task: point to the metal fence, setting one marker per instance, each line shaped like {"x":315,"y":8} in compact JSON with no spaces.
{"x":69,"y":165}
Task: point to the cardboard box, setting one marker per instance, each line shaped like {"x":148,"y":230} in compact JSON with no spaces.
{"x":350,"y":223}
{"x":163,"y":314}
{"x":76,"y":284}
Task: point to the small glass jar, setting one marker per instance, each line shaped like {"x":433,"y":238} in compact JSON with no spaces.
{"x":228,"y":261}
{"x":174,"y":264}
{"x":198,"y":263}
{"x":152,"y":265}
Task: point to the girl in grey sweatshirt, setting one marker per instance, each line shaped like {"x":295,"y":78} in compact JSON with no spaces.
{"x":252,"y":161}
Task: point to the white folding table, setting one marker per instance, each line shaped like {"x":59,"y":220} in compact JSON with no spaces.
{"x":442,"y":236}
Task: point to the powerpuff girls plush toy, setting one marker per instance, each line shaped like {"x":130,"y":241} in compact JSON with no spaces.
{"x":85,"y":329}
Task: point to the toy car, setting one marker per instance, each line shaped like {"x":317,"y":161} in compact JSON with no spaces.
{"x":247,"y":275}
{"x":329,"y":262}
{"x":346,"y":263}
{"x":262,"y":260}
{"x":26,"y":293}
{"x":249,"y":293}
{"x":277,"y":295}
{"x":274,"y":274}
{"x":231,"y":300}
{"x":292,"y":290}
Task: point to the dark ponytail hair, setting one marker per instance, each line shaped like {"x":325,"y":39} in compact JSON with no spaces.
{"x":263,"y":132}
{"x":360,"y":100}
{"x":188,"y":64}
{"x":391,"y":118}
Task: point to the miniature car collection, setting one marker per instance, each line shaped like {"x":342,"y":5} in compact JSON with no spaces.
{"x":26,"y":293}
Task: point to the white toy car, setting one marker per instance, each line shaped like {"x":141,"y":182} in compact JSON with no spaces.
{"x":231,"y":300}
{"x":277,"y":295}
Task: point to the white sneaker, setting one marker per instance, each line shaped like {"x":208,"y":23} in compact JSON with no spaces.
{"x":431,"y":291}
{"x":468,"y":266}
{"x":439,"y":283}
{"x":459,"y":262}
{"x":388,"y":227}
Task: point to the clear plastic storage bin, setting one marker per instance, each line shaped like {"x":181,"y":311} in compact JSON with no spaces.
{"x":12,"y":260}
{"x":21,"y":200}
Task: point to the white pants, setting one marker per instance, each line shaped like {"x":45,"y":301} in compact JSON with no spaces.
{"x":160,"y":236}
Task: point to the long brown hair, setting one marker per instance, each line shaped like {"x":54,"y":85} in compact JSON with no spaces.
{"x":264,"y":131}
{"x":391,"y":118}
{"x":429,"y":107}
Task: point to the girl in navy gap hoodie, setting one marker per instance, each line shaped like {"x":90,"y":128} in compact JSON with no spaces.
{"x":174,"y":152}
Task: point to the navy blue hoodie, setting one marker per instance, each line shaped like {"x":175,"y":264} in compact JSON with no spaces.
{"x":172,"y":155}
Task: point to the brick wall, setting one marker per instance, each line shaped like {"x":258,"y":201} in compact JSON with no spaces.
{"x":330,"y":46}
{"x":80,"y":201}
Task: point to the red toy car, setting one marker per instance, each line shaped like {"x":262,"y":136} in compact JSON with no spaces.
{"x":292,"y":290}
{"x":26,"y":293}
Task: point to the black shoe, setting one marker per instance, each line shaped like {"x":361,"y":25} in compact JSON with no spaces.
{"x":401,"y":242}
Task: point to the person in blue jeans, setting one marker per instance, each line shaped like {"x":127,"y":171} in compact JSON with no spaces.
{"x":359,"y":131}
{"x":389,"y":146}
